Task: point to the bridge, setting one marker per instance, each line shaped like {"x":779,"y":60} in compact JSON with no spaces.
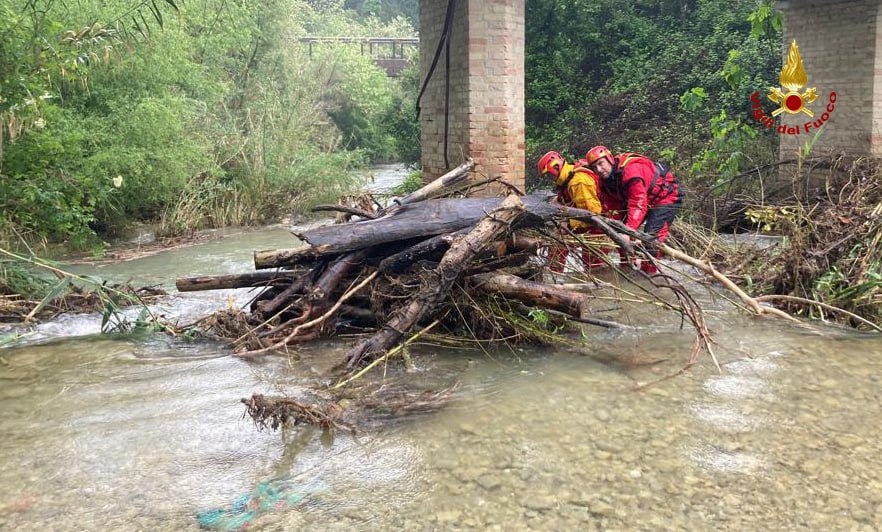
{"x":473,"y":103}
{"x":387,"y":52}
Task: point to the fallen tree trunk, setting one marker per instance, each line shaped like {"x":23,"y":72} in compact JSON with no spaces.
{"x":279,"y":258}
{"x":451,"y":178}
{"x":270,"y":307}
{"x":422,"y":219}
{"x":531,"y":293}
{"x":427,"y":248}
{"x":237,"y":280}
{"x":437,"y":282}
{"x":431,"y":218}
{"x":276,"y":258}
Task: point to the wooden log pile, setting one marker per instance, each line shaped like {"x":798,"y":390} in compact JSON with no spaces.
{"x":423,"y":261}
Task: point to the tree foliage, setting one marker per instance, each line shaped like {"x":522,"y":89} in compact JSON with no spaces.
{"x":198,"y":113}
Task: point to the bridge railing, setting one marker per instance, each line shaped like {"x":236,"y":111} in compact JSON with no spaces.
{"x":387,"y":52}
{"x":376,"y":47}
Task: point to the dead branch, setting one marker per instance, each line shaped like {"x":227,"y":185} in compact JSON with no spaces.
{"x":437,"y":282}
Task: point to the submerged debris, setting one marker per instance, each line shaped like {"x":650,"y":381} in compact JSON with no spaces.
{"x":66,"y":297}
{"x":351,"y":410}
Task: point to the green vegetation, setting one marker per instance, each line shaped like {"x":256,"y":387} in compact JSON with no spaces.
{"x":411,"y":183}
{"x":194,"y":114}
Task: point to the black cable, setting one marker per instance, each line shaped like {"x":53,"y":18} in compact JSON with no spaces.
{"x":448,"y":21}
{"x":447,"y":92}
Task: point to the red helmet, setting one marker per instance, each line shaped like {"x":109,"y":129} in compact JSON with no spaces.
{"x":551,"y":163}
{"x":596,"y":153}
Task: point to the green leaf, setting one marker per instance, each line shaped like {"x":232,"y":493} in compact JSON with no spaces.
{"x":57,"y":290}
{"x":157,"y":14}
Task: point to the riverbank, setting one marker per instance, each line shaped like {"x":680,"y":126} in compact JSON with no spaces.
{"x":142,"y":241}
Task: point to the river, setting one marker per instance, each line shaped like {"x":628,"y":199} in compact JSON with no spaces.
{"x":146,"y":432}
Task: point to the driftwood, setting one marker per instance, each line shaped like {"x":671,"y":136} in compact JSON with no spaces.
{"x":449,"y":265}
{"x":418,"y":250}
{"x":437,"y":282}
{"x":531,"y":293}
{"x":445,"y":182}
{"x":436,"y":245}
{"x":277,"y":258}
{"x":238,"y":280}
{"x":425,"y":219}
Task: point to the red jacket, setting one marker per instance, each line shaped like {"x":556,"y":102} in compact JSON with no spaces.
{"x":636,"y":185}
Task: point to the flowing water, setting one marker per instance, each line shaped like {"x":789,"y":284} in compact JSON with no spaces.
{"x":104,"y":432}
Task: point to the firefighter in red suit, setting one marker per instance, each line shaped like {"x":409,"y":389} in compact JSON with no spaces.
{"x":578,"y":187}
{"x":637,"y":190}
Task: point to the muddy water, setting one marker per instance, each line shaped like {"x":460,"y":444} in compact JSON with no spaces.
{"x":146,"y":432}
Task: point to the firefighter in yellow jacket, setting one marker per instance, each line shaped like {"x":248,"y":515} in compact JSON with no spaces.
{"x":578,"y":187}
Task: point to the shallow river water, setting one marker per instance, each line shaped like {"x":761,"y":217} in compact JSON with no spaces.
{"x":147,"y":433}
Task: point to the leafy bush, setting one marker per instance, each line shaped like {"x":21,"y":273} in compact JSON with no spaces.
{"x":217,"y":117}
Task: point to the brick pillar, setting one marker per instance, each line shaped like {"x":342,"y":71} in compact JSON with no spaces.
{"x":486,"y":109}
{"x":839,"y":42}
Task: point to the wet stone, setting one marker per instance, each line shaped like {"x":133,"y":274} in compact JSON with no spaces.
{"x":448,"y":516}
{"x":581,"y":499}
{"x":602,"y":415}
{"x":469,"y":474}
{"x":608,"y":446}
{"x":541,"y":503}
{"x":731,"y":501}
{"x":601,"y":508}
{"x":489,"y":482}
{"x":848,"y":441}
{"x":658,"y":391}
{"x":673,"y":489}
{"x":527,"y":475}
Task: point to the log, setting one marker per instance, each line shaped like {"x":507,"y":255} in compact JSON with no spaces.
{"x":330,"y":278}
{"x":236,"y":280}
{"x":451,"y":178}
{"x":531,"y":293}
{"x":436,"y":283}
{"x":269,"y":308}
{"x":437,"y":245}
{"x":431,"y":247}
{"x":424,"y":219}
{"x":278,"y":258}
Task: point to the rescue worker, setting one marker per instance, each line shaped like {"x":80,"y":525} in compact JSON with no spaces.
{"x":577,"y":186}
{"x":637,"y":190}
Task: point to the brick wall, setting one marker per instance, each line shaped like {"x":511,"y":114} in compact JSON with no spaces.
{"x":486,"y":109}
{"x":839,"y":42}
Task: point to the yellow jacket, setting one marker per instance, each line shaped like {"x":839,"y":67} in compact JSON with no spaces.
{"x":577,"y":187}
